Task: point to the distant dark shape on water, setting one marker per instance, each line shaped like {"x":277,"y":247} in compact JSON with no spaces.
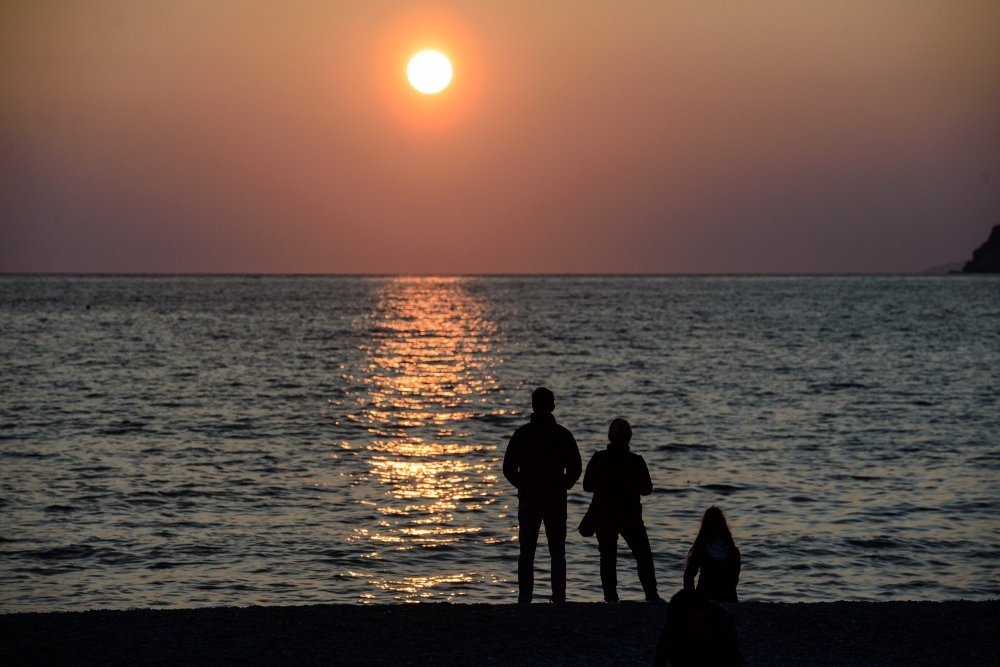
{"x":986,"y":258}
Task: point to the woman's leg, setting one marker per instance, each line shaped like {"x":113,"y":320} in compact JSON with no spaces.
{"x":607,"y":542}
{"x":638,"y":541}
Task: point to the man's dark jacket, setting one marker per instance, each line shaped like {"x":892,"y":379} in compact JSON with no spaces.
{"x":542,"y":459}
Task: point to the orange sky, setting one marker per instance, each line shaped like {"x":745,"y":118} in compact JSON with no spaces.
{"x":577,"y":136}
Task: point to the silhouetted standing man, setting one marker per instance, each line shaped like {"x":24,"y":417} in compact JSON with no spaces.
{"x":543,"y":462}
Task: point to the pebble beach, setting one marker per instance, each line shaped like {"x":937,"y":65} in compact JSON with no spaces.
{"x":770,"y":633}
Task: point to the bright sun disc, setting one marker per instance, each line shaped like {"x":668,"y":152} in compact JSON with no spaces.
{"x":429,"y":72}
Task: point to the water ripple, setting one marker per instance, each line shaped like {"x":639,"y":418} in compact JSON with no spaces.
{"x":240,"y":440}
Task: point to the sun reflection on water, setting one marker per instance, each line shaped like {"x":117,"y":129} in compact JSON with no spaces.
{"x":430,"y":367}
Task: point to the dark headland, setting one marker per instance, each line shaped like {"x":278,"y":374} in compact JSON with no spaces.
{"x":825,"y":633}
{"x":986,"y":258}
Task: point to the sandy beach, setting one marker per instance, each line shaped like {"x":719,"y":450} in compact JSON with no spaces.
{"x":837,"y":633}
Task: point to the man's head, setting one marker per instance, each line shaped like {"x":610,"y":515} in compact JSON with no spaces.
{"x":543,"y":401}
{"x":620,"y":432}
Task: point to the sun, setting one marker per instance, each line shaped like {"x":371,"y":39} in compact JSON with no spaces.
{"x":429,"y":72}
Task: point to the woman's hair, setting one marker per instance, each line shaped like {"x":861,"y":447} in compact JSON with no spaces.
{"x":713,"y":527}
{"x":619,"y":431}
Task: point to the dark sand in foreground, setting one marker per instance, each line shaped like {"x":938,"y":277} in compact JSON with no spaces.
{"x":835,"y":633}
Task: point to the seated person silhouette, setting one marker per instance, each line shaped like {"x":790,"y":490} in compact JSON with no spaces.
{"x":617,"y":477}
{"x":715,"y":554}
{"x":699,"y":632}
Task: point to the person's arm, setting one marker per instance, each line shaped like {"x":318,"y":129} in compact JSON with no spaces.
{"x":511,"y":462}
{"x":690,"y":571}
{"x":574,"y":464}
{"x":645,"y":484}
{"x":590,"y":477}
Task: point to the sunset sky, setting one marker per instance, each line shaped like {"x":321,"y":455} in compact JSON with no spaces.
{"x":576,"y":136}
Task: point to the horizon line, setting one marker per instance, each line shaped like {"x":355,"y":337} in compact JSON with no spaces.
{"x":292,"y":274}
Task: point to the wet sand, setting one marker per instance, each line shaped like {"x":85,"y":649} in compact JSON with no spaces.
{"x":834,"y":633}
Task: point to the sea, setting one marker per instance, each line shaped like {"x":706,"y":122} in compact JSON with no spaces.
{"x":190,"y":441}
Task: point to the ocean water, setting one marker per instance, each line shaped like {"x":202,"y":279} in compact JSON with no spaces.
{"x":192,"y":441}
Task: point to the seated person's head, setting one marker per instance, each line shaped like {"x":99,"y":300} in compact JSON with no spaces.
{"x":687,"y":609}
{"x":697,"y":632}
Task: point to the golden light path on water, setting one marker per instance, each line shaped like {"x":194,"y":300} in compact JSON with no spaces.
{"x":430,"y":367}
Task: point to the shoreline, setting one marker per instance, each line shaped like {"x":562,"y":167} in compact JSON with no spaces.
{"x":770,"y":633}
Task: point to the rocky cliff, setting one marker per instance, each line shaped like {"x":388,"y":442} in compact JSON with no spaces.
{"x":986,"y":258}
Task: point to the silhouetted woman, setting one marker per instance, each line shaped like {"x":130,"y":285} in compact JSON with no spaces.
{"x":715,"y":554}
{"x":617,"y":478}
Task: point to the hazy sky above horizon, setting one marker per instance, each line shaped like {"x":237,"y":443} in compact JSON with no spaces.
{"x":577,"y":136}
